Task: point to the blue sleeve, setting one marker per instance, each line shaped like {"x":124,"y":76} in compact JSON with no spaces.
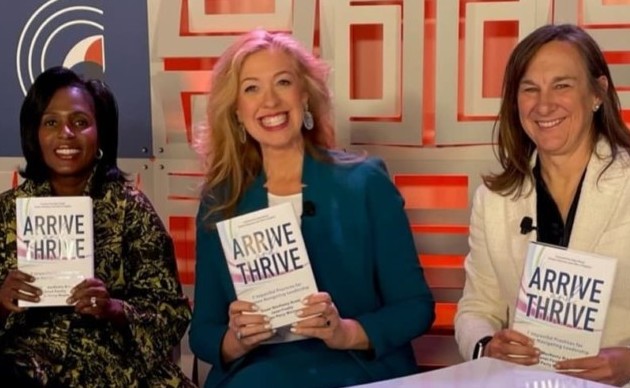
{"x":213,"y":294}
{"x":407,"y":303}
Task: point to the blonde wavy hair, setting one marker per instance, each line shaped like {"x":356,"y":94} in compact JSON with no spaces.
{"x":230,"y":165}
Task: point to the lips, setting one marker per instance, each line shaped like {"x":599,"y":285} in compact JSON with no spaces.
{"x":66,"y":152}
{"x":274,"y":120}
{"x":549,"y":123}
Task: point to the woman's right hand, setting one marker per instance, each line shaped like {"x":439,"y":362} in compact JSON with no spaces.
{"x":510,"y":345}
{"x":246,"y":330}
{"x":16,"y":287}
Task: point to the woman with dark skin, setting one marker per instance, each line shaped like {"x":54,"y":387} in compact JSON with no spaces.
{"x":123,"y":323}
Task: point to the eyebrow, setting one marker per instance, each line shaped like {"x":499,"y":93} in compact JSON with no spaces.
{"x":65,"y":112}
{"x":553,"y":80}
{"x":282,"y":72}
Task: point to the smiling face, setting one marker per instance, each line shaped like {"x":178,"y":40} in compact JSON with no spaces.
{"x":556,"y":102}
{"x":271,"y":100}
{"x":67,"y":135}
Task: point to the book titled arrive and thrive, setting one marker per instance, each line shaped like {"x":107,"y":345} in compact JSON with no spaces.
{"x":55,"y":245}
{"x":268,"y":261}
{"x":563,"y":301}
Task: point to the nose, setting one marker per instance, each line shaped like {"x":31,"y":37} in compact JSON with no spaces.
{"x":65,"y":131}
{"x":546,"y":103}
{"x":271,"y":98}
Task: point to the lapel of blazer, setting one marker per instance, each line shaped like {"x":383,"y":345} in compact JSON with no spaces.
{"x":516,"y":210}
{"x":598,"y":199}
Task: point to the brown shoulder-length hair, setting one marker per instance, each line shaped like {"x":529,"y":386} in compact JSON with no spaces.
{"x":231,"y":165}
{"x":514,"y":148}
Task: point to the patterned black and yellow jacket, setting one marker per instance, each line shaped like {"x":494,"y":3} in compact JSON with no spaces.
{"x":134,"y":256}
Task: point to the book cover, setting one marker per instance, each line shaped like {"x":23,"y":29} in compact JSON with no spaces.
{"x":268,"y":261}
{"x":563,"y":300}
{"x":55,"y":245}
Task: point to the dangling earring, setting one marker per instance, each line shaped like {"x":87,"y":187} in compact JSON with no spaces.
{"x":99,"y":154}
{"x":243,"y":133}
{"x":308,"y":121}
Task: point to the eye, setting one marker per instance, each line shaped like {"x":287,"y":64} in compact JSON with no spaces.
{"x":81,"y":123}
{"x":285,"y":82}
{"x":561,"y":86}
{"x":528,"y":89}
{"x":250,"y":89}
{"x":49,"y":122}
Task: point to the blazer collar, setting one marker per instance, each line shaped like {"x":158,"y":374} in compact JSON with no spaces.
{"x":601,"y":191}
{"x":256,"y":197}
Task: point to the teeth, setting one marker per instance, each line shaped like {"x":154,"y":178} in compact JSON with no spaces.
{"x":272,"y":121}
{"x":549,"y":124}
{"x":67,"y":151}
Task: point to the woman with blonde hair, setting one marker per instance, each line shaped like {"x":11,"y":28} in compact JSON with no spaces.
{"x":270,"y":141}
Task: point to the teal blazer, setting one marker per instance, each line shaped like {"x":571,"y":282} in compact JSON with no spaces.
{"x":362,"y":253}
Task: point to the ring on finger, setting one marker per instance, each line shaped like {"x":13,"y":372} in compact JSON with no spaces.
{"x":239,"y":335}
{"x":93,"y":301}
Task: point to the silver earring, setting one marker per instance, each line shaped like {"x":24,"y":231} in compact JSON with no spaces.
{"x":308,"y":120}
{"x":595,"y":107}
{"x":243,"y":133}
{"x":99,"y":154}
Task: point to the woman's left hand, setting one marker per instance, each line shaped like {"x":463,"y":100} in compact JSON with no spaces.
{"x":90,"y":297}
{"x":324,"y":322}
{"x":610,"y":366}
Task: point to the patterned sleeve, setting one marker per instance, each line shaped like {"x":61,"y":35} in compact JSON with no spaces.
{"x":4,"y":260}
{"x":157,"y":311}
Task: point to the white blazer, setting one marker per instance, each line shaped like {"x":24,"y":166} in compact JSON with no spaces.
{"x":497,"y":250}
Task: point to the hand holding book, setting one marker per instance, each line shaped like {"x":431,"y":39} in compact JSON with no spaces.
{"x":247,"y":329}
{"x":511,"y":345}
{"x":610,"y":366}
{"x":563,"y":301}
{"x":324,"y":322}
{"x":54,"y":245}
{"x":91,"y":297}
{"x":268,"y":262}
{"x":16,"y":286}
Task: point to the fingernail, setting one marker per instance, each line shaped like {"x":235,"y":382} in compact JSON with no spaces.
{"x":255,"y":307}
{"x":267,"y":319}
{"x":305,"y":300}
{"x":293,"y":330}
{"x":294,"y":325}
{"x":299,"y":313}
{"x":267,"y":326}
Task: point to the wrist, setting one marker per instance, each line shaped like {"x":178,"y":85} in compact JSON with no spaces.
{"x":355,"y":336}
{"x":115,"y":313}
{"x":480,"y":347}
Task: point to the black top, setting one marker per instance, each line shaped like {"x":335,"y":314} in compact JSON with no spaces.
{"x":550,"y":228}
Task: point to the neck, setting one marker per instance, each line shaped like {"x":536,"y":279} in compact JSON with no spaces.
{"x":68,"y":186}
{"x":283,"y":170}
{"x":562,"y":176}
{"x":564,"y":168}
